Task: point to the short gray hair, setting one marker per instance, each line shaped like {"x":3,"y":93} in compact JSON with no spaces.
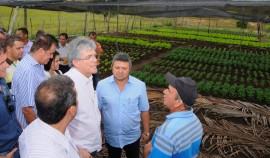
{"x":177,"y":97}
{"x":121,"y":56}
{"x":76,"y":46}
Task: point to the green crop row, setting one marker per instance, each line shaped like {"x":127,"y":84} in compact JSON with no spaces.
{"x":258,"y":62}
{"x":210,"y":34}
{"x":210,"y":72}
{"x":144,"y":43}
{"x":235,"y":41}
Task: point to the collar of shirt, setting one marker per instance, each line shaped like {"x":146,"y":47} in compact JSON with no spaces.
{"x":60,"y":46}
{"x":130,"y":79}
{"x":29,"y":43}
{"x":31,"y":60}
{"x":180,"y":114}
{"x":80,"y":76}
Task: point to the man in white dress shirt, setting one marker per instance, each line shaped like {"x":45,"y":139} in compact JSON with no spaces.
{"x":63,"y":51}
{"x":85,"y":127}
{"x":48,"y":136}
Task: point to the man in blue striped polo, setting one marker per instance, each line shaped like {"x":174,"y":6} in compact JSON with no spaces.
{"x":181,"y":134}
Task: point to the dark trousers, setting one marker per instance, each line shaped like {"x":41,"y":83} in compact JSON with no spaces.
{"x":132,"y":150}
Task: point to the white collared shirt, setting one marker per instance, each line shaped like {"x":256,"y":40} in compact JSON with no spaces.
{"x":40,"y":140}
{"x":85,"y":127}
{"x":27,"y":48}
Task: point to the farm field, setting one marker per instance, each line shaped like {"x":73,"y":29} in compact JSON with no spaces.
{"x":230,"y":66}
{"x":233,"y":81}
{"x":220,"y":70}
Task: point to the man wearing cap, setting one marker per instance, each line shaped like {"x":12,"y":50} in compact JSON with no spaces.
{"x":181,"y":134}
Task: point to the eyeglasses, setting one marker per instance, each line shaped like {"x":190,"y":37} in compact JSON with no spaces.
{"x":89,"y":57}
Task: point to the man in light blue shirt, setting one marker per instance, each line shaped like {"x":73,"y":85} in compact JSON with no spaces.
{"x":123,"y":102}
{"x":180,"y":135}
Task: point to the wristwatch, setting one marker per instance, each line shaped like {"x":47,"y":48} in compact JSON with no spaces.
{"x":146,"y":133}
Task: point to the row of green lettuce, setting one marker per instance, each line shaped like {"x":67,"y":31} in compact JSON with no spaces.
{"x":139,"y":42}
{"x":205,"y":36}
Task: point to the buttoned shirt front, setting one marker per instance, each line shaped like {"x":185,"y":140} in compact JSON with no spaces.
{"x":85,"y":127}
{"x":26,"y":78}
{"x":27,"y":48}
{"x":121,"y":111}
{"x":40,"y":140}
{"x":10,"y":129}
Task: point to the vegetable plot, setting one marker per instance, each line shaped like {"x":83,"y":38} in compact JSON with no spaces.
{"x":221,"y":73}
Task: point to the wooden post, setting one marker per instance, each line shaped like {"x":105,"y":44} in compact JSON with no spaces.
{"x":108,"y":21}
{"x":140,"y":23}
{"x":25,"y":17}
{"x":117,"y":30}
{"x":50,"y":24}
{"x":43,"y":24}
{"x":13,"y":20}
{"x":209,"y":25}
{"x":94,"y":20}
{"x":9,"y":21}
{"x":59,"y":23}
{"x":66,"y":26}
{"x":133,"y":21}
{"x":85,"y":23}
{"x":31,"y":28}
{"x":175,"y":23}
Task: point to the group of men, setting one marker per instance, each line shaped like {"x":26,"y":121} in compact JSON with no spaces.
{"x":61,"y":116}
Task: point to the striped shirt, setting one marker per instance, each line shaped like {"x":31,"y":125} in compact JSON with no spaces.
{"x":40,"y":140}
{"x":178,"y":137}
{"x":26,"y":78}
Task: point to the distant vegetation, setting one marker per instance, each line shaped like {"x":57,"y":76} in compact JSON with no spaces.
{"x":55,"y":22}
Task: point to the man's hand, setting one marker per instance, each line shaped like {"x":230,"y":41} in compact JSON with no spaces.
{"x":29,"y":114}
{"x":147,"y":149}
{"x":145,"y":137}
{"x":84,"y":153}
{"x":10,"y":154}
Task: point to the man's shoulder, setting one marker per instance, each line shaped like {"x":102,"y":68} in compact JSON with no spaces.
{"x":105,"y":80}
{"x":135,"y":80}
{"x":30,"y":43}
